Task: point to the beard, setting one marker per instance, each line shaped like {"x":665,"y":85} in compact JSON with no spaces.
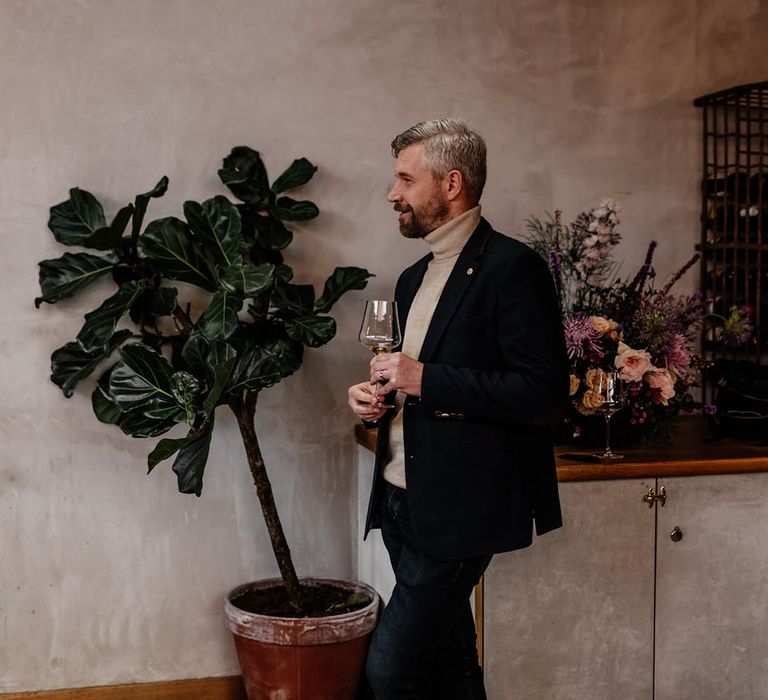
{"x":421,"y":222}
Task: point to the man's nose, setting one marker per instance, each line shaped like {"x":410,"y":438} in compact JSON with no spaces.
{"x":393,"y":195}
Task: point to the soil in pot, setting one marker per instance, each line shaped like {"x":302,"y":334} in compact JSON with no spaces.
{"x":316,"y":601}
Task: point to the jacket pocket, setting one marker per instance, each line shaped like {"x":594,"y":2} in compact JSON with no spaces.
{"x":493,"y":456}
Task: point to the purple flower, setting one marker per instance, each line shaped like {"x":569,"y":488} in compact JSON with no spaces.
{"x":554,"y":262}
{"x":678,"y":357}
{"x":581,"y":338}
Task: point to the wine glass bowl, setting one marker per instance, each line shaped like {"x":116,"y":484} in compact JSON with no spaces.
{"x":380,"y":329}
{"x":609,"y":390}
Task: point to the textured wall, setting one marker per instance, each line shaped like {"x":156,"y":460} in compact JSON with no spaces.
{"x":110,"y":576}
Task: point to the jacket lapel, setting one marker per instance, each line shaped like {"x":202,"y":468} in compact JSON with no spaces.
{"x":409,"y":286}
{"x":464,"y":271}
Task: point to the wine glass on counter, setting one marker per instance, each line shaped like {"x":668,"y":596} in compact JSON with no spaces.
{"x":380,"y":330}
{"x":609,"y":388}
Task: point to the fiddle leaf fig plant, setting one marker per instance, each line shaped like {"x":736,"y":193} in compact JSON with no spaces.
{"x":172,"y":366}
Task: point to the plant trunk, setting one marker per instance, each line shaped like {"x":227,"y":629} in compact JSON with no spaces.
{"x":245,"y":411}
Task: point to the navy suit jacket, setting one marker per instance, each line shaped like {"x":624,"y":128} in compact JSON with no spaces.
{"x":479,"y":459}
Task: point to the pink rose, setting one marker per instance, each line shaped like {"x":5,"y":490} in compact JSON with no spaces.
{"x":662,"y":379}
{"x":632,"y":364}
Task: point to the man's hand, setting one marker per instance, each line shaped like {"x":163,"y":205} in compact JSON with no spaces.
{"x":365,"y":404}
{"x":399,"y":371}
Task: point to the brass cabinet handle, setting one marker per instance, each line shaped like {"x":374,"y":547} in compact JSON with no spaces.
{"x":651,"y":497}
{"x":676,"y":535}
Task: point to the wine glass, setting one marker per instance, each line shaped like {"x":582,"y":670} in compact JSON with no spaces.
{"x":380,"y":330}
{"x":609,"y":388}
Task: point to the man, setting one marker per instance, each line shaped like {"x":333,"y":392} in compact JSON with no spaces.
{"x":464,"y":461}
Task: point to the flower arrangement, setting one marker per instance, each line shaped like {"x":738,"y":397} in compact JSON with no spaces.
{"x":646,"y":333}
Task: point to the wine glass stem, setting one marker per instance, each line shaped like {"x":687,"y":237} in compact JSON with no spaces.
{"x":608,"y":435}
{"x":381,"y":382}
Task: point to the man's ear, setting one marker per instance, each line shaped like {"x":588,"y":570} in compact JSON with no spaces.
{"x":454,"y":184}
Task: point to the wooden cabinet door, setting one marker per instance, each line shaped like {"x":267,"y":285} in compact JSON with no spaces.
{"x":712,"y":589}
{"x":571,"y":617}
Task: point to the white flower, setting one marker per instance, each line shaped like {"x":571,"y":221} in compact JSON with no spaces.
{"x":599,"y":213}
{"x":592,"y":225}
{"x":604,"y":228}
{"x":609,"y":204}
{"x":612,"y":218}
{"x":590,"y":241}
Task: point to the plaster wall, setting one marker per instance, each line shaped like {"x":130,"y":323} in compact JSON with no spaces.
{"x":110,"y":576}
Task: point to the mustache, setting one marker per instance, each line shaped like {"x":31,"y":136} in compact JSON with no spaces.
{"x":401,"y":208}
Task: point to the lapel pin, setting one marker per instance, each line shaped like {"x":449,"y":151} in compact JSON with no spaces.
{"x":470,"y":270}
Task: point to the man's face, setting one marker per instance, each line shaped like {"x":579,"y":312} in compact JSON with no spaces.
{"x":417,"y":195}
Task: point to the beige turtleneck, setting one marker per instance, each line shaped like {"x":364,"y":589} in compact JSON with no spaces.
{"x":446,"y":242}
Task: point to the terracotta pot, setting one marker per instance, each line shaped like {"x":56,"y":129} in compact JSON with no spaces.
{"x":311,"y":658}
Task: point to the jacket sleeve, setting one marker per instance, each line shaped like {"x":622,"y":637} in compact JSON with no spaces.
{"x":531,"y":384}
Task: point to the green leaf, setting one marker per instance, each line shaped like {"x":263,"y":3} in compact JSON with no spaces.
{"x":108,"y":238}
{"x":75,"y":220}
{"x":136,"y":424}
{"x":271,"y":233}
{"x":142,"y":380}
{"x":311,"y":330}
{"x":285,"y":273}
{"x":262,"y":366}
{"x":296,"y":298}
{"x":219,"y":364}
{"x":191,"y":460}
{"x":217,"y":225}
{"x":254,"y":369}
{"x":286,"y":356}
{"x":63,"y":277}
{"x":185,"y":388}
{"x":140,"y":205}
{"x":133,"y":423}
{"x":299,"y":173}
{"x":220,"y":318}
{"x":164,"y":301}
{"x":104,"y":407}
{"x":100,"y":323}
{"x":245,"y":175}
{"x":195,"y":351}
{"x":169,"y":245}
{"x":341,"y":281}
{"x":70,"y":363}
{"x":167,"y":447}
{"x":248,"y":280}
{"x":289,"y":209}
{"x":154,"y":303}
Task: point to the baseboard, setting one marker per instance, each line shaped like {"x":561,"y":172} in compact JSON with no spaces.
{"x":226,"y":688}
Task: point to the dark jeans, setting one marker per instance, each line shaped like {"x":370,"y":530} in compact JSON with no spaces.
{"x":424,"y":646}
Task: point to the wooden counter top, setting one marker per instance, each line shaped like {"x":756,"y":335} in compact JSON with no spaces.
{"x":691,"y":452}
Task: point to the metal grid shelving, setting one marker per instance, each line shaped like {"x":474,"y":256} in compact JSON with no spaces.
{"x":734,"y":209}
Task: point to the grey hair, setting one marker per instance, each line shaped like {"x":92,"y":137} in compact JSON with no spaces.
{"x":449,"y":144}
